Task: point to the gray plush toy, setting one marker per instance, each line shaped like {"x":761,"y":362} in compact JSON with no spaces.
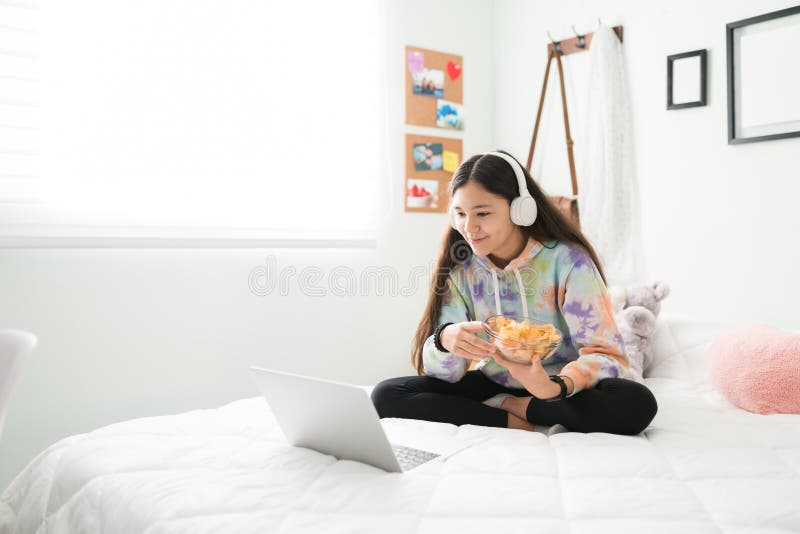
{"x":635,"y":312}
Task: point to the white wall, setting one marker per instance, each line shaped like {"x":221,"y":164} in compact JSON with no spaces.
{"x":717,"y":219}
{"x":132,"y":333}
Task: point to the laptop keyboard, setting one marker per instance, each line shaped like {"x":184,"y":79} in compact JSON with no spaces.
{"x":409,"y":458}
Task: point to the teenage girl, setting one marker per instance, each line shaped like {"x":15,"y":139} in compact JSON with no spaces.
{"x":510,"y":251}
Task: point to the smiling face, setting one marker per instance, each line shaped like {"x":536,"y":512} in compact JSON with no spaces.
{"x":484,"y":220}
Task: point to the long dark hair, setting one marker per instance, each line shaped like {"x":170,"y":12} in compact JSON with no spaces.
{"x":496,"y":176}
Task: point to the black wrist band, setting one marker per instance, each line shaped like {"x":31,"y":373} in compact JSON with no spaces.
{"x":438,"y":342}
{"x":560,"y":381}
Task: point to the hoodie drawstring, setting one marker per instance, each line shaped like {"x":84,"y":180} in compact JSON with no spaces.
{"x":496,"y":293}
{"x":521,"y":293}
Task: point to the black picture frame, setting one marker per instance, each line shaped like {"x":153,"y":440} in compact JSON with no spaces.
{"x":731,"y":52}
{"x":671,"y":79}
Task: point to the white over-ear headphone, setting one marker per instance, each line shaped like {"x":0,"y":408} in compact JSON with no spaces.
{"x":523,"y":207}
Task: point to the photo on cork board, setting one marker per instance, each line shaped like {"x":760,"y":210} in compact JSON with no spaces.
{"x":422,"y":193}
{"x":449,"y":115}
{"x":427,"y":156}
{"x":428,"y":82}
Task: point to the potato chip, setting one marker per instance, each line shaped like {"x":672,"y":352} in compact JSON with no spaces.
{"x":521,"y":341}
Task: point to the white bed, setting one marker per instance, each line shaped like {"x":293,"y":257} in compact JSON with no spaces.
{"x":703,"y":466}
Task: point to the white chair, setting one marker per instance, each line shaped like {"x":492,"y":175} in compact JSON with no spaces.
{"x":15,"y":345}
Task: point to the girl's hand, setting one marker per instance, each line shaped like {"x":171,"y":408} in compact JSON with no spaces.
{"x":460,"y":339}
{"x":533,"y":377}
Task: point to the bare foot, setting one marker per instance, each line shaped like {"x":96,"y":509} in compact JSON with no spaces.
{"x":516,"y":422}
{"x":517,"y":406}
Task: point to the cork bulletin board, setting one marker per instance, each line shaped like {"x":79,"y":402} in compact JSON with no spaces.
{"x":430,"y":163}
{"x":434,"y":89}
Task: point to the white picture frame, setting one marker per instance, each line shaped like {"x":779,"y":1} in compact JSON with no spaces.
{"x":763,"y":77}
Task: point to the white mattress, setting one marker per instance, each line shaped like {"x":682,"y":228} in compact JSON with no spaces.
{"x":703,"y":466}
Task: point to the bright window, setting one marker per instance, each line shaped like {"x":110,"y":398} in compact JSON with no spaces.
{"x":215,"y":120}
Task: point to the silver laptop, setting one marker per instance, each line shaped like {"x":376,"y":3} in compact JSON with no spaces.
{"x":338,"y":419}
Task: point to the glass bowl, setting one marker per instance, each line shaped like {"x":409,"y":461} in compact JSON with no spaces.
{"x":523,"y":350}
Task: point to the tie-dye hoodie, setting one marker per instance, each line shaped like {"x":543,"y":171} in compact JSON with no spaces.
{"x":556,"y":283}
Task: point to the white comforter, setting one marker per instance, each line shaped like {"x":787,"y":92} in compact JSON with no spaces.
{"x":703,"y":466}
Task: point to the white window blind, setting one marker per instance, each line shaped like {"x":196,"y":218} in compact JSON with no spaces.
{"x":183,"y":121}
{"x":20,"y":172}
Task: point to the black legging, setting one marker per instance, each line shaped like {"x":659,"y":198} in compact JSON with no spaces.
{"x":614,"y":405}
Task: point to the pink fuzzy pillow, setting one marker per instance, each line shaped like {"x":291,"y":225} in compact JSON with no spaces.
{"x":757,"y":368}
